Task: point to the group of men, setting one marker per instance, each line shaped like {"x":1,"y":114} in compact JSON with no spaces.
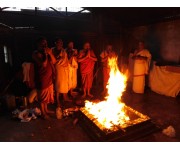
{"x":56,"y":70}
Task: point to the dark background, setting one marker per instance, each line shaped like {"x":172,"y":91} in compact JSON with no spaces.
{"x":122,"y":27}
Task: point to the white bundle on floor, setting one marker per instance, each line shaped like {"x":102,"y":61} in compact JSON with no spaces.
{"x":27,"y":114}
{"x":169,"y":131}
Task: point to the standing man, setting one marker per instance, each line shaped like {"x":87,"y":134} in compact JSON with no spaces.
{"x":73,"y":66}
{"x":87,"y":60}
{"x":142,"y":58}
{"x":61,"y":70}
{"x":105,"y":55}
{"x":44,"y":60}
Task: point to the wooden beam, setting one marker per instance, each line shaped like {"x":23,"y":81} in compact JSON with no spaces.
{"x":57,"y":11}
{"x":77,"y":12}
{"x":35,"y":11}
{"x":2,"y":8}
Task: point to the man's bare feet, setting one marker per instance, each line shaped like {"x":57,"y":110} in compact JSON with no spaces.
{"x":45,"y":117}
{"x":90,"y":95}
{"x":83,"y":96}
{"x":66,"y":98}
{"x":80,"y":102}
{"x":103,"y":92}
{"x":74,"y":94}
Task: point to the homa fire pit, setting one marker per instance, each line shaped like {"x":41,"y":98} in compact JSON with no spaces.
{"x":112,"y":120}
{"x":137,"y":127}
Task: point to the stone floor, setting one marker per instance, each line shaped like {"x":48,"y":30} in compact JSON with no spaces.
{"x":164,"y":111}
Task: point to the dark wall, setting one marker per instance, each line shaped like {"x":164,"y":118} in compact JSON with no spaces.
{"x":21,"y":42}
{"x":162,"y":39}
{"x":98,"y":30}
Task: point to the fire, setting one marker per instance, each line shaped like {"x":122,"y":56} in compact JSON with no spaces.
{"x":110,"y":112}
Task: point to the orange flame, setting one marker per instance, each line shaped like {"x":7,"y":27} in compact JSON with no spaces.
{"x":111,"y":111}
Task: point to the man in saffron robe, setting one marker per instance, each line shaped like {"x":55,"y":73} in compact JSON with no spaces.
{"x":142,"y":58}
{"x":61,"y":71}
{"x":105,"y":55}
{"x":44,"y":60}
{"x":73,"y":66}
{"x":87,"y":60}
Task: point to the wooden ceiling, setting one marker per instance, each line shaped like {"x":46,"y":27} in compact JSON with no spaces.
{"x":126,"y":16}
{"x":138,"y":15}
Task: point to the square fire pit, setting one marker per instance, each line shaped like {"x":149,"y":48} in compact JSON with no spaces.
{"x":137,"y":127}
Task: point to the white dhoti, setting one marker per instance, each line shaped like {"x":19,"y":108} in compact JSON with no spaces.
{"x":139,"y":77}
{"x":62,"y":73}
{"x":72,"y":78}
{"x":141,"y":68}
{"x":73,"y":74}
{"x":61,"y":82}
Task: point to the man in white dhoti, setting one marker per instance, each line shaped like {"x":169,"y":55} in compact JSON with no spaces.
{"x":73,"y":66}
{"x":61,"y":71}
{"x":142,"y":58}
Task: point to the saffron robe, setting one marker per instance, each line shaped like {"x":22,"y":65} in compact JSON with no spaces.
{"x":73,"y":66}
{"x":61,"y":71}
{"x":105,"y":67}
{"x":86,"y":69}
